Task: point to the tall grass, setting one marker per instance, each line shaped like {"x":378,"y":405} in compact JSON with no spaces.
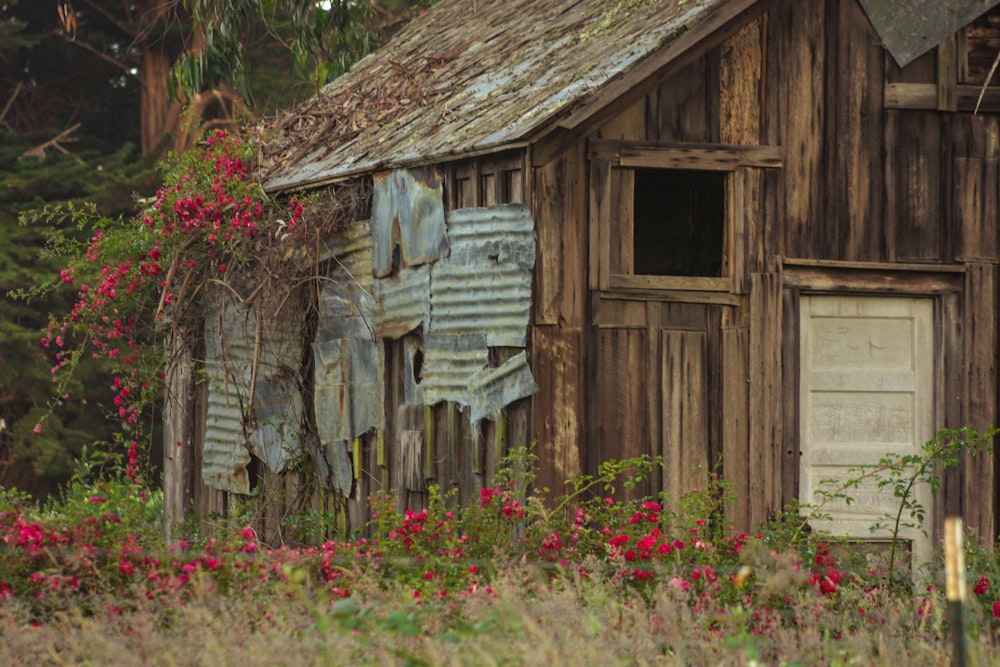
{"x":510,"y":581}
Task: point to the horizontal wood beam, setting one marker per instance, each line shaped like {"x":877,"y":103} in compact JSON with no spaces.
{"x":830,"y":279}
{"x":710,"y":157}
{"x":925,"y":96}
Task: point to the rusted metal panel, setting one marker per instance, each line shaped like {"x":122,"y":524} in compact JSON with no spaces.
{"x":910,"y":29}
{"x":278,"y":420}
{"x":264,"y":418}
{"x":347,"y":301}
{"x":403,"y":301}
{"x":470,"y":77}
{"x":485,"y":285}
{"x":347,"y":388}
{"x":228,"y":360}
{"x":226,"y":455}
{"x":492,"y":389}
{"x":450,"y":363}
{"x":408,"y":211}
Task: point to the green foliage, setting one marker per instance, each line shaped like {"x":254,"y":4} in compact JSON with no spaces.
{"x":324,"y":38}
{"x":902,"y":474}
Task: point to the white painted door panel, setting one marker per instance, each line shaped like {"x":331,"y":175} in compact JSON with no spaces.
{"x":866,"y":385}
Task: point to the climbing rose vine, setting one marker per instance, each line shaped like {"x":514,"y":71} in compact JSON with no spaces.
{"x":138,"y":279}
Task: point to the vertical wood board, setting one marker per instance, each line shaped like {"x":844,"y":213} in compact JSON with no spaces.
{"x":684,"y":411}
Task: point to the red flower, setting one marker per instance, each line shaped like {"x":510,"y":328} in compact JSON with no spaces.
{"x":982,"y":586}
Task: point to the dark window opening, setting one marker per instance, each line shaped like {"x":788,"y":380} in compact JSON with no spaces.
{"x":679,"y":222}
{"x":418,"y":366}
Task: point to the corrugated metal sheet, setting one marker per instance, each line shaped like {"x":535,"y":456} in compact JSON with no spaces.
{"x":485,"y":285}
{"x":468,"y":77}
{"x":228,"y":356}
{"x":403,"y":301}
{"x":910,"y":28}
{"x":276,"y":413}
{"x":347,"y":302}
{"x":408,"y":210}
{"x":348,"y":388}
{"x":450,"y":363}
{"x":492,"y":389}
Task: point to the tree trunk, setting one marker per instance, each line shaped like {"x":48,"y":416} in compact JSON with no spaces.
{"x":159,"y":114}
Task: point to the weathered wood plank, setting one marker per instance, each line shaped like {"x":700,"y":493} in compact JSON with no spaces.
{"x":791,"y":364}
{"x":949,"y":323}
{"x":947,"y":75}
{"x":834,"y":280}
{"x":854,"y":109}
{"x":619,"y":406}
{"x":688,"y":155}
{"x":178,"y":443}
{"x":559,"y":208}
{"x":621,"y":236}
{"x":924,"y":97}
{"x":686,"y":111}
{"x":630,"y":124}
{"x":741,"y":70}
{"x":796,"y":63}
{"x":600,"y":223}
{"x":653,"y":71}
{"x":914,"y":187}
{"x":765,"y":399}
{"x":980,"y":394}
{"x":684,"y":411}
{"x":977,"y":188}
{"x":735,"y":422}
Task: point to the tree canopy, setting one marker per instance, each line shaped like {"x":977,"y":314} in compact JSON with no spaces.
{"x":92,"y":94}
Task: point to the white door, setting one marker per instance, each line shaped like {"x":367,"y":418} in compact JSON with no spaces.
{"x":866,"y":390}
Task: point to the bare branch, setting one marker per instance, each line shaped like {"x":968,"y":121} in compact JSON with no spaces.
{"x":125,"y":28}
{"x":10,"y":103}
{"x":39,"y":151}
{"x":111,"y":59}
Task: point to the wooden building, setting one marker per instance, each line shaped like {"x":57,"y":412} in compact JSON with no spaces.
{"x":764,"y":238}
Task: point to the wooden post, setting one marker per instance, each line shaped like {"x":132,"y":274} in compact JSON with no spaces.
{"x":954,"y":570}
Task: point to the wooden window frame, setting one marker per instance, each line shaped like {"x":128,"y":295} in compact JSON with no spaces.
{"x":611,"y":200}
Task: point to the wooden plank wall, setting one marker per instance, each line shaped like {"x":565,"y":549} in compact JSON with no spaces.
{"x":889,"y":186}
{"x":861,"y":186}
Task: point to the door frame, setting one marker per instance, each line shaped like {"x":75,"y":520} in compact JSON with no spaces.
{"x":944,"y":285}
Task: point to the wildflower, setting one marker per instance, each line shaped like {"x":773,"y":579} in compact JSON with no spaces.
{"x":618,"y":540}
{"x":982,"y":586}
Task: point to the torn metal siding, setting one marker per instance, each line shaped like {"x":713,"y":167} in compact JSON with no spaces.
{"x":228,"y":362}
{"x":265,"y":418}
{"x":403,"y":301}
{"x":347,"y":302}
{"x":485,"y":285}
{"x":450,"y":363}
{"x":492,"y":389}
{"x":470,"y":77}
{"x":911,"y":28}
{"x":347,"y":388}
{"x":408,"y":212}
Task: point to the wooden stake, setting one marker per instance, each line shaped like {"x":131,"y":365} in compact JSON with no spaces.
{"x":955,"y":589}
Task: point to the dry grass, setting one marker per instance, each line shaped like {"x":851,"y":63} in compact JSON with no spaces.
{"x":527,"y":620}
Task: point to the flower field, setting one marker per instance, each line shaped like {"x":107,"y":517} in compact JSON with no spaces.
{"x":512,"y":580}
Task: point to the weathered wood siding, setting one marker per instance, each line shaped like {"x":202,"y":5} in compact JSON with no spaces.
{"x":876,"y":194}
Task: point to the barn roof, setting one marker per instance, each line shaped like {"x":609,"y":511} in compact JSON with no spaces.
{"x":471,"y":76}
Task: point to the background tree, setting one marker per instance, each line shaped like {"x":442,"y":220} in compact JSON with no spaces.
{"x":89,"y":100}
